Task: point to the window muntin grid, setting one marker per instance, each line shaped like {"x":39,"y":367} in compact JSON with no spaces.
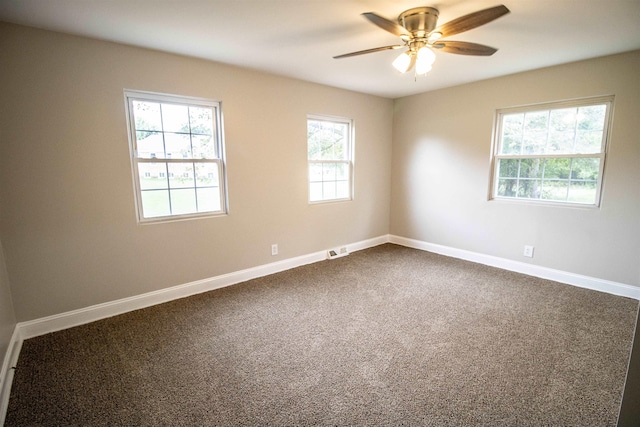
{"x":552,"y":152}
{"x":177,"y":156}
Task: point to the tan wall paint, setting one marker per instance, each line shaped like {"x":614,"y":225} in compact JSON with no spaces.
{"x":440,"y":173}
{"x":68,"y":219}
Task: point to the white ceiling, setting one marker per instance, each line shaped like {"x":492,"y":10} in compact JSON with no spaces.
{"x":298,"y":38}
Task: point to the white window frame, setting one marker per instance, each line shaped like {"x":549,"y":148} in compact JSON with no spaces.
{"x":216,"y":106}
{"x":348,"y":161}
{"x":601,"y":155}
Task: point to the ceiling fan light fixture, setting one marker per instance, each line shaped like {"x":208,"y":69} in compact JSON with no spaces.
{"x":434,"y":36}
{"x":426,"y":55}
{"x":403,"y":62}
{"x":424,"y":59}
{"x":419,"y":31}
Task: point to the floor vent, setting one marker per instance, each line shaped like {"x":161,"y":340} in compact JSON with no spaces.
{"x":337,"y":253}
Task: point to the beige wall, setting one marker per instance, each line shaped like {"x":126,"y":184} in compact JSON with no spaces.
{"x":440,"y":173}
{"x":68,"y":221}
{"x":7,"y":315}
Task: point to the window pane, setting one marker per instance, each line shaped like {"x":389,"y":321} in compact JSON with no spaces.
{"x":183,"y":201}
{"x":204,"y":147}
{"x":314,"y":149}
{"x":507,"y":187}
{"x":582,"y":192}
{"x":555,"y":190}
{"x":536,"y":121}
{"x":152,"y":175}
{"x":175,"y":118}
{"x":529,"y":188}
{"x":208,"y":199}
{"x":340,"y":147}
{"x":315,"y":172}
{"x":327,"y":140}
{"x":329,"y":172}
{"x":561,"y":142}
{"x":563,"y":120}
{"x":150,"y":145}
{"x":342,"y":189}
{"x":342,"y":171}
{"x":588,"y":141}
{"x":534,"y":142}
{"x":201,"y":120}
{"x":177,"y":145}
{"x":557,"y":168}
{"x":585,"y":169}
{"x":315,"y":191}
{"x":508,"y":168}
{"x":181,"y":175}
{"x":511,"y":144}
{"x":530,"y":168}
{"x":207,"y":175}
{"x":512,"y":125}
{"x":328,"y":190}
{"x":327,"y":150}
{"x":592,"y":117}
{"x":147,"y":115}
{"x":155,"y":203}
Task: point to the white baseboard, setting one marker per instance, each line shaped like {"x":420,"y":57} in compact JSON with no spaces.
{"x":587,"y":282}
{"x":81,"y":316}
{"x":45,"y":325}
{"x":33,"y":328}
{"x":6,"y":373}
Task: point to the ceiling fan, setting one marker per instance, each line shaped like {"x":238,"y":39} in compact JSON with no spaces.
{"x":417,"y":29}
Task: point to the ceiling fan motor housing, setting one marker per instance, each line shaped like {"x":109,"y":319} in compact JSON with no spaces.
{"x":419,"y":21}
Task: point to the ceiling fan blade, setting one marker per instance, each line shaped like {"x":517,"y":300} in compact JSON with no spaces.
{"x":464,"y":48}
{"x":362,"y":52}
{"x":470,"y":21}
{"x":385,"y":24}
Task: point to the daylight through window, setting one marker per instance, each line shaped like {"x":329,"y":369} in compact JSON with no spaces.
{"x":177,"y":156}
{"x":329,"y":148}
{"x":552,"y":152}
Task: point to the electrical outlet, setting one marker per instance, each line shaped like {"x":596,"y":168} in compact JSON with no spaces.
{"x":528,"y":251}
{"x":274,"y":249}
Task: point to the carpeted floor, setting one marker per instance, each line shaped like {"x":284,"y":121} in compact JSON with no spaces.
{"x":386,"y":336}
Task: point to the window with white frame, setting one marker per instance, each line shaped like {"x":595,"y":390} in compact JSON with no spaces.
{"x":177,"y":156}
{"x":552,"y":152}
{"x":330,"y":157}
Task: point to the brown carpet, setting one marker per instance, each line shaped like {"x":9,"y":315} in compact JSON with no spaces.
{"x":386,"y":336}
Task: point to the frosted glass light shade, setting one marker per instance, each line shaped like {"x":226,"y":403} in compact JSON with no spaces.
{"x":402,"y":62}
{"x":424,"y":60}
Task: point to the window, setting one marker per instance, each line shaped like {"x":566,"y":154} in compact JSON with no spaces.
{"x":552,"y":152}
{"x":330,"y":154}
{"x":176,"y":155}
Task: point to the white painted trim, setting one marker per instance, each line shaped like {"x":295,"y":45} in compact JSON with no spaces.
{"x":581,"y":281}
{"x":57,"y":322}
{"x":6,"y":373}
{"x":369,"y":243}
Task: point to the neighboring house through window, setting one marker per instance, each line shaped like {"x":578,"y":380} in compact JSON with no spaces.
{"x":330,"y":158}
{"x":552,"y":152}
{"x":177,"y":156}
